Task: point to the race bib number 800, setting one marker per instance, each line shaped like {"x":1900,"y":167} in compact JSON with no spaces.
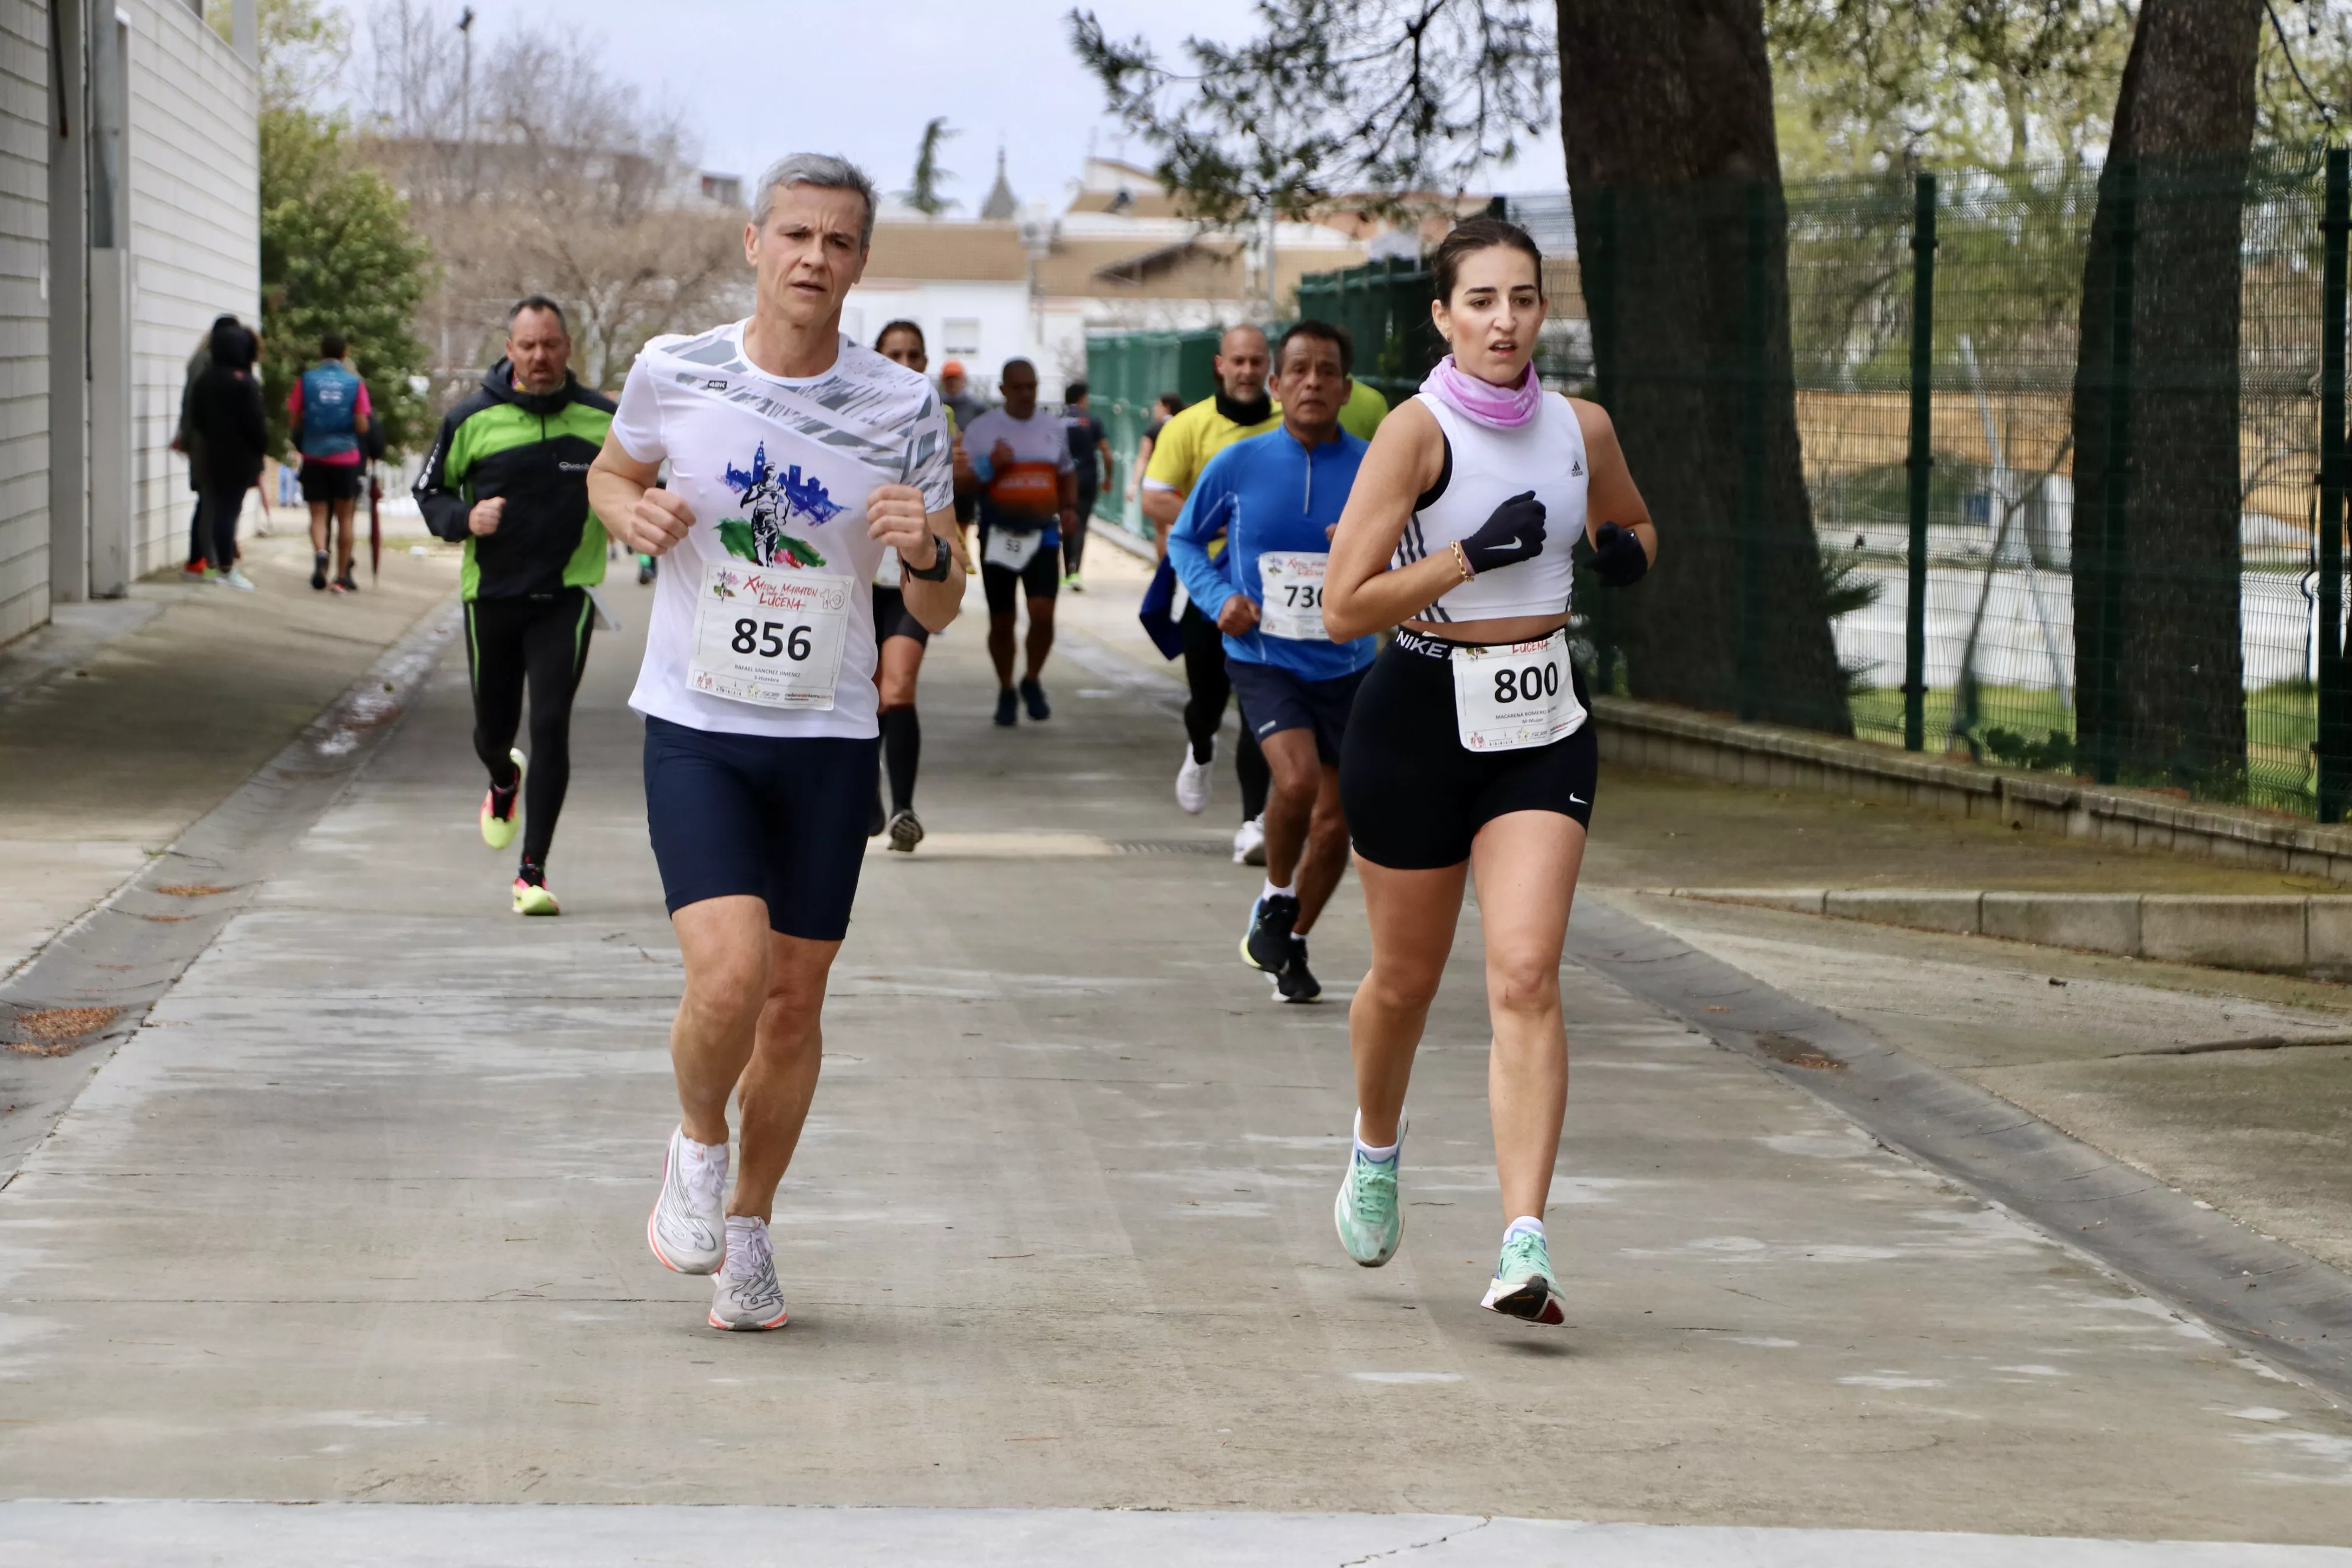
{"x":1515,"y":695}
{"x":770,"y":636}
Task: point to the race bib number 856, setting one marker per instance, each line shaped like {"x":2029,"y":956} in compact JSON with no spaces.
{"x":768,"y":637}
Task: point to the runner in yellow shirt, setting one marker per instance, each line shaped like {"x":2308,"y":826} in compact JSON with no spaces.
{"x":1240,"y":409}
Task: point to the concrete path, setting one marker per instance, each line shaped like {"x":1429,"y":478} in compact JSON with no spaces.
{"x":358,"y":1218}
{"x":129,"y":720}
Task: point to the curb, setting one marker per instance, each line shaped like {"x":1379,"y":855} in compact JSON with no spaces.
{"x":90,"y":987}
{"x":1699,"y":745}
{"x":2284,"y":1305}
{"x":2270,"y":934}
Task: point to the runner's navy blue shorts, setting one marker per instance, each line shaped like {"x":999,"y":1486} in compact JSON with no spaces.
{"x":1414,"y":795}
{"x":1275,"y":699}
{"x":779,"y":817}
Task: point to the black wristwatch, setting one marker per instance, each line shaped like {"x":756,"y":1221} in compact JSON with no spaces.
{"x":937,"y":571}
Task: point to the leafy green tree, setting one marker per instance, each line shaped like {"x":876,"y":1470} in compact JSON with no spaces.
{"x":2304,"y":82}
{"x":338,"y":254}
{"x":1865,"y":85}
{"x":304,"y":45}
{"x":1385,"y":96}
{"x":923,"y":196}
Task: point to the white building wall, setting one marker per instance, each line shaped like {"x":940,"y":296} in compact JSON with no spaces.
{"x":23,"y":318}
{"x":1005,"y":327}
{"x":195,"y":236}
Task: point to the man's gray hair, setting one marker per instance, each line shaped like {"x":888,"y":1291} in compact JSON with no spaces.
{"x":826,"y":173}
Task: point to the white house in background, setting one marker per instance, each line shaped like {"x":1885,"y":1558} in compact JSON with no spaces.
{"x":130,"y":217}
{"x":1032,"y":282}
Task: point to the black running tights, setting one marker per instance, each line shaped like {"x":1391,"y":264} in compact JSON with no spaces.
{"x":1204,"y":710}
{"x":540,"y":642}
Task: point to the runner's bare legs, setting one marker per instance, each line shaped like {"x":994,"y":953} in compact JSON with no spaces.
{"x":748,"y":1026}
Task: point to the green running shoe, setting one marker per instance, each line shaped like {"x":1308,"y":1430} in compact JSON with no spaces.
{"x":1522,"y":1287}
{"x":501,"y":817}
{"x":1370,"y":1224}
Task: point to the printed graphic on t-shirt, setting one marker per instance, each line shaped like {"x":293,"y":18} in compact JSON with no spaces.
{"x":772,"y":502}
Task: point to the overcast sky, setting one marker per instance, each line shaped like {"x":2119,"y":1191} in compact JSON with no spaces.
{"x":756,"y":78}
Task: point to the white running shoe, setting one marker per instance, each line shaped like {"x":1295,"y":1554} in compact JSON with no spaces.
{"x":687,"y":1229}
{"x":1192,"y":781}
{"x":746,"y":1296}
{"x":234,"y":577}
{"x":1249,"y":843}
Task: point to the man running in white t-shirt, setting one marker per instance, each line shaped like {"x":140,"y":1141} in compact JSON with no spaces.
{"x":1028,"y":489}
{"x":795,"y":457}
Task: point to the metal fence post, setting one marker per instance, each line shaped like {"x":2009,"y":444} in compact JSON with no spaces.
{"x":2335,"y":743}
{"x":2116,"y":508}
{"x":1920,"y":461}
{"x":1750,"y":522}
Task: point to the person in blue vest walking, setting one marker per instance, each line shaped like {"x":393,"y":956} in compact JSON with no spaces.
{"x":328,"y":413}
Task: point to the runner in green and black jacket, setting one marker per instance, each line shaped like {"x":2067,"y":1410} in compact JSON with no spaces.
{"x":508,"y":477}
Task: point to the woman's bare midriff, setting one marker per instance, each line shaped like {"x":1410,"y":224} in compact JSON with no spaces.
{"x":1502,"y":629}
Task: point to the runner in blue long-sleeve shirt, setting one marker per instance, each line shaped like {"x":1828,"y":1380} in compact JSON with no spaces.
{"x":1274,"y":499}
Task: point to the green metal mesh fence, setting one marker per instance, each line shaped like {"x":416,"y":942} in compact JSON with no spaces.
{"x":2164,"y":479}
{"x":1127,"y":373}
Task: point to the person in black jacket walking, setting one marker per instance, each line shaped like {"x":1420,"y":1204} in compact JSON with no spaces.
{"x":508,"y":477}
{"x":232,"y":439}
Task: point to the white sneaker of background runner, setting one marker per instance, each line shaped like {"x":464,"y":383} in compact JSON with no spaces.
{"x":1192,"y":781}
{"x":746,"y":1295}
{"x":687,"y":1229}
{"x":1250,"y":839}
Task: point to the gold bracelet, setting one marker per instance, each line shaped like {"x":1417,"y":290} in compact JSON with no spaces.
{"x":1462,"y":562}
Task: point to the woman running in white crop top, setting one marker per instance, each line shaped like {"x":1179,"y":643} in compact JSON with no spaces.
{"x":1468,"y":751}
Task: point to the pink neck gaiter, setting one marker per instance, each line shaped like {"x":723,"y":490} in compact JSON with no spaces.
{"x":1481,"y":402}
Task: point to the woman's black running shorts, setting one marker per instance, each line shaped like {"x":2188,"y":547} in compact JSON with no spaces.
{"x":1414,"y":796}
{"x":893,"y":619}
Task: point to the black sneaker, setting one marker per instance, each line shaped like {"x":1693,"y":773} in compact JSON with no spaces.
{"x":906,"y":830}
{"x":318,"y":572}
{"x":1267,"y":944}
{"x":1008,"y":708}
{"x":1296,"y":983}
{"x":344,"y":583}
{"x":644,"y":570}
{"x":1035,"y":696}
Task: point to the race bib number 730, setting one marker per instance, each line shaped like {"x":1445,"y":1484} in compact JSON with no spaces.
{"x":1291,"y":584}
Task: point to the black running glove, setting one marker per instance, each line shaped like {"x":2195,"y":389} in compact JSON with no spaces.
{"x":1513,"y":533}
{"x":1618,"y":558}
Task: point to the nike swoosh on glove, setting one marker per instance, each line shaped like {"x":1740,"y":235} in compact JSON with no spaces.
{"x":1513,"y":533}
{"x":1618,"y":558}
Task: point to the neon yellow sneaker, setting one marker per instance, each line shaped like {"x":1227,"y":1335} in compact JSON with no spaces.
{"x":501,"y":817}
{"x":530,"y":894}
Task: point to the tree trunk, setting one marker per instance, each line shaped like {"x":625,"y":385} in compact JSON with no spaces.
{"x":2156,"y":557}
{"x":1681,"y":230}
